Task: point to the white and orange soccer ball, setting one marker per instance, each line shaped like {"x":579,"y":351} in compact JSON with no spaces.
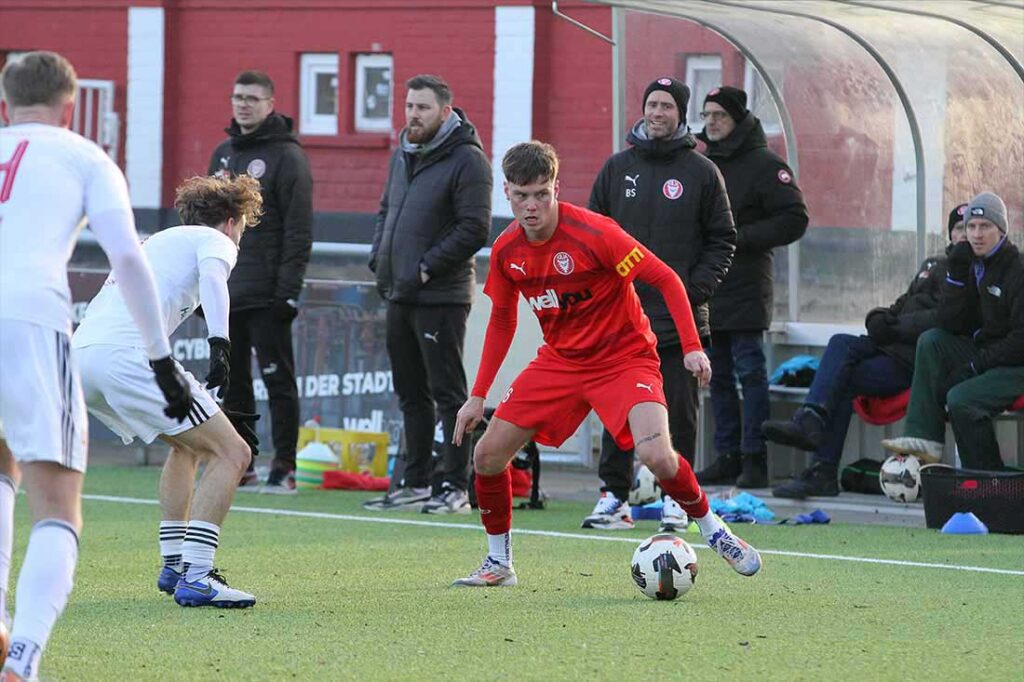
{"x":664,"y":567}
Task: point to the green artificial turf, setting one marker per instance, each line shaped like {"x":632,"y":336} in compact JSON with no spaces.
{"x":349,"y":599}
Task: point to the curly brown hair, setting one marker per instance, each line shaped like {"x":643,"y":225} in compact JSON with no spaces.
{"x":203,"y":200}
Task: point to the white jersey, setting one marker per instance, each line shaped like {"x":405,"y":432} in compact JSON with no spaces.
{"x":174,"y":254}
{"x":50,"y":178}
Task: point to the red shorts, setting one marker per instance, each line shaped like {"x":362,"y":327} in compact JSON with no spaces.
{"x":554,"y":397}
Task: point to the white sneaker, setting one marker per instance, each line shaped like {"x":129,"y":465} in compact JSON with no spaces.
{"x":490,"y":574}
{"x":743,"y":558}
{"x":211,"y":590}
{"x":928,"y":450}
{"x":610,"y":513}
{"x":673,"y":518}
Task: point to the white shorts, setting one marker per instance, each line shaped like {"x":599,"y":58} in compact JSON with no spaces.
{"x":41,"y":406}
{"x":121,"y":391}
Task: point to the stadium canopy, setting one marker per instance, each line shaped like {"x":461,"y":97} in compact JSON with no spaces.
{"x":890,"y":112}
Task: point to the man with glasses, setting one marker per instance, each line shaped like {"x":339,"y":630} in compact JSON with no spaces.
{"x":972,"y":367}
{"x":266,"y":282}
{"x":673,"y":201}
{"x":769,"y":211}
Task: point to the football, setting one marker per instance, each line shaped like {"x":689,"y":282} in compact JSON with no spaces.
{"x":664,"y":567}
{"x":645,"y":487}
{"x":900,"y":478}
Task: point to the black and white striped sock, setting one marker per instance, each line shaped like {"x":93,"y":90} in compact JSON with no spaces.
{"x":171,"y":535}
{"x":198,"y":548}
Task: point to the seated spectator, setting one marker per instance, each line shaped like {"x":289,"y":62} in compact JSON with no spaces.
{"x":972,"y":366}
{"x":879,"y":364}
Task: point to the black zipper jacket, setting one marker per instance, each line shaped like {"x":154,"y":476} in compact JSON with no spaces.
{"x":436,"y":212}
{"x":673,"y":201}
{"x":272,"y":257}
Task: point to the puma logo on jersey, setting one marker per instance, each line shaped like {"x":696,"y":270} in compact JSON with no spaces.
{"x":633,"y":179}
{"x":550,"y":299}
{"x":649,"y":387}
{"x":432,"y":337}
{"x":184,"y":312}
{"x":521,"y":268}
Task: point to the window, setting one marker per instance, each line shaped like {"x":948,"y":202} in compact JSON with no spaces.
{"x":318,"y":92}
{"x":759,"y":99}
{"x":703,"y":74}
{"x":373,"y":92}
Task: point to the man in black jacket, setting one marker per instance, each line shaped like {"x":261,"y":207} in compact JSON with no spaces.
{"x":435,"y":214}
{"x":673,"y":200}
{"x":972,"y":366}
{"x":769,"y":211}
{"x":879,"y":364}
{"x":272,"y":259}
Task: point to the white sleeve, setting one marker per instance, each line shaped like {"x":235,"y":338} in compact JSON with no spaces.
{"x":115,"y":231}
{"x":213,"y":295}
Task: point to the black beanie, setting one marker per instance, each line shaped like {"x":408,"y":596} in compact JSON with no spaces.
{"x":955,"y":216}
{"x":733,"y":100}
{"x":680,"y":93}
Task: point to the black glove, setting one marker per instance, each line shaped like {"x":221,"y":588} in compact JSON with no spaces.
{"x":243,"y":423}
{"x":175,"y":388}
{"x":220,"y":365}
{"x":283,"y":310}
{"x":959,"y":375}
{"x":881,"y":327}
{"x":958,"y":264}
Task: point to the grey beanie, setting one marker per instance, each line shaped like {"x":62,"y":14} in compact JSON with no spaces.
{"x":989,"y":206}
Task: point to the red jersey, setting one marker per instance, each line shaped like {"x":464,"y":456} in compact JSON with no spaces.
{"x":579,"y":284}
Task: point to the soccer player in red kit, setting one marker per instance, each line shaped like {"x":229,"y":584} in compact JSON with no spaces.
{"x":576,"y":268}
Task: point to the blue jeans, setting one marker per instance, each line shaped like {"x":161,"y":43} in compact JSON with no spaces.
{"x":851,"y":366}
{"x":738,"y":355}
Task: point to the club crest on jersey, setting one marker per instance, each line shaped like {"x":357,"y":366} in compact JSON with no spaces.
{"x":672,"y":189}
{"x":564,"y":263}
{"x":784,"y":177}
{"x":256,"y":168}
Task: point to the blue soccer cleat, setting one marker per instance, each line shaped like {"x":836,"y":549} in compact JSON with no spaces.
{"x":211,"y":590}
{"x":743,"y":558}
{"x":168,"y":580}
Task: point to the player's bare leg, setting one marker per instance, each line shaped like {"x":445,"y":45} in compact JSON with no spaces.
{"x":493,"y":482}
{"x":47,"y":575}
{"x":177,"y":482}
{"x":648,"y":422}
{"x":216,"y":442}
{"x":10,"y":476}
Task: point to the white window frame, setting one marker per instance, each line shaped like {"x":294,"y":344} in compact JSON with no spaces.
{"x":364,"y":124}
{"x":695,"y":63}
{"x":314,"y":64}
{"x":749,"y":74}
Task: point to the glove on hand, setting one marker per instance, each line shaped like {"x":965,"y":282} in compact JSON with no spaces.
{"x":283,"y":311}
{"x":220,"y":365}
{"x":243,"y":423}
{"x":175,"y":388}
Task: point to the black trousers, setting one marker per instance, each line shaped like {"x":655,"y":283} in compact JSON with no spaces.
{"x":681,"y":393}
{"x":425,"y":346}
{"x":272,"y":339}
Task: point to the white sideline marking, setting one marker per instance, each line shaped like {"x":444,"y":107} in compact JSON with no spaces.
{"x":555,"y":534}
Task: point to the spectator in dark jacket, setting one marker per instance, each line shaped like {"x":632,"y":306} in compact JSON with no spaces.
{"x":973,"y":366}
{"x":769,"y":211}
{"x":879,"y":364}
{"x":272,"y":259}
{"x":435,"y":214}
{"x":673,"y":200}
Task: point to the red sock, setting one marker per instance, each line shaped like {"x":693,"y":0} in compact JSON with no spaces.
{"x":494,"y":497}
{"x":685,"y":490}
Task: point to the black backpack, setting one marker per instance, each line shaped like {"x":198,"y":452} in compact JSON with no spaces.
{"x":862,"y":477}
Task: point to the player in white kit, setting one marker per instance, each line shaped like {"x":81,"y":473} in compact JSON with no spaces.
{"x":49,"y":179}
{"x":191,"y":264}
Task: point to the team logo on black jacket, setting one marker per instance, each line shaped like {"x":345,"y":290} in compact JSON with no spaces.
{"x":672,"y":189}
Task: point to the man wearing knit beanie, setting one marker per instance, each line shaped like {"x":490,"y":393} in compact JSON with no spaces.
{"x":769,"y":211}
{"x":972,"y":367}
{"x":673,"y":200}
{"x":956,"y":221}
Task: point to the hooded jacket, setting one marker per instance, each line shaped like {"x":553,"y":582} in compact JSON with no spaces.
{"x":435,"y":214}
{"x":989,"y":308}
{"x":273,"y":255}
{"x":768,"y":209}
{"x":916,"y":311}
{"x":673,"y":201}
